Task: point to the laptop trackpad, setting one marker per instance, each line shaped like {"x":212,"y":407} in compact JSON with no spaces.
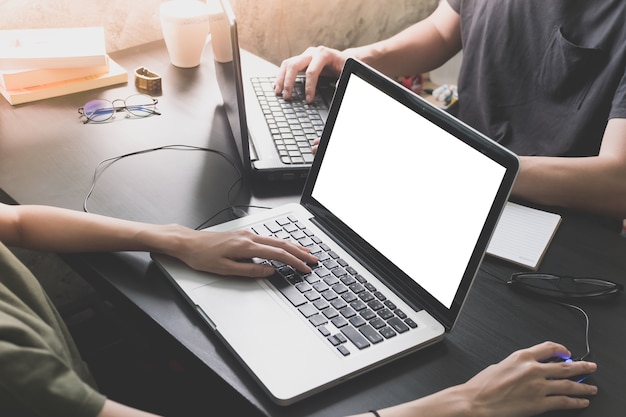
{"x":233,"y":304}
{"x":268,"y":343}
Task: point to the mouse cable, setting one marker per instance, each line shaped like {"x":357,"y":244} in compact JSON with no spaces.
{"x":575,"y":307}
{"x":103,"y":165}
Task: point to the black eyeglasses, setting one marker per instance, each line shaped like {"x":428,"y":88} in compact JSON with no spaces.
{"x":100,"y":110}
{"x":563,"y":287}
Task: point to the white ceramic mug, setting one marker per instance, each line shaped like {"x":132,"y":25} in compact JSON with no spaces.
{"x":185,"y":26}
{"x":220,"y":33}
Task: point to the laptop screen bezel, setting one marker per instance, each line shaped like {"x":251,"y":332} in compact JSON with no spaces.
{"x":395,"y":278}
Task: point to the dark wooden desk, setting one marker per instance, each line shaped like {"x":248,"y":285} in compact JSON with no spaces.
{"x":48,"y":157}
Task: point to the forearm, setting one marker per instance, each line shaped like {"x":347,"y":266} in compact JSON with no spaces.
{"x":59,"y":230}
{"x":576,"y":183}
{"x":420,"y":48}
{"x":596,"y":184}
{"x":63,"y":231}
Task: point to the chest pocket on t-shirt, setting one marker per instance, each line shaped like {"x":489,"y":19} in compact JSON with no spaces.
{"x":567,"y":70}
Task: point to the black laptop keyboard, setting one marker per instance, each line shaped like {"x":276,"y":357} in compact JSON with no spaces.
{"x":335,"y":298}
{"x":293,"y":123}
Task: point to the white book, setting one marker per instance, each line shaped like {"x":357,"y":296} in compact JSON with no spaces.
{"x":52,"y":48}
{"x":523,"y":235}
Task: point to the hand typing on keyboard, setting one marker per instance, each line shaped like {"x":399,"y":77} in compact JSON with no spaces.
{"x":293,"y":123}
{"x":222,"y":252}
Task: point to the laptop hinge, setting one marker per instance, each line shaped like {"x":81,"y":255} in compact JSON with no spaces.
{"x":253,"y":154}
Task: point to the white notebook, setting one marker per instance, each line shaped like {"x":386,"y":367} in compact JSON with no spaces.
{"x":523,"y":235}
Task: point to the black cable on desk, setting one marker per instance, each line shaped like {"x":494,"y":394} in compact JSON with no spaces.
{"x":107,"y":163}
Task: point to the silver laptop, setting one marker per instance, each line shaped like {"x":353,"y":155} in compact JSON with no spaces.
{"x":399,"y":206}
{"x":273,"y":135}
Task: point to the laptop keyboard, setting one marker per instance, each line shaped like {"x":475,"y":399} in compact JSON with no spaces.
{"x":294,"y":124}
{"x":337,"y":300}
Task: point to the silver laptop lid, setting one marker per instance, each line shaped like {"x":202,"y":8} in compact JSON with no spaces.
{"x":232,"y":90}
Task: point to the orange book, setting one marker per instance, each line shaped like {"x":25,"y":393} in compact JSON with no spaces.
{"x":12,"y":79}
{"x":116,"y":75}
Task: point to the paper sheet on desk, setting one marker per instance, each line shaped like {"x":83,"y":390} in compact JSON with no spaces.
{"x":523,"y":235}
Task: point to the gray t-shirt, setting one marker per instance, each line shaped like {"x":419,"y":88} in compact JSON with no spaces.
{"x":543,"y":77}
{"x":41,"y":372}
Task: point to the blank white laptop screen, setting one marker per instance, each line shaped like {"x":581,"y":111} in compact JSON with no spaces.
{"x":427,"y":219}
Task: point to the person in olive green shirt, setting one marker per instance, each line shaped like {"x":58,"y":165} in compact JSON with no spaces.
{"x":41,"y":371}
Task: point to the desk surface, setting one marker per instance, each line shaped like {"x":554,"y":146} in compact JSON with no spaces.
{"x":48,"y":157}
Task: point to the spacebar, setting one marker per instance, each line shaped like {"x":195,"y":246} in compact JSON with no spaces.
{"x":293,"y":295}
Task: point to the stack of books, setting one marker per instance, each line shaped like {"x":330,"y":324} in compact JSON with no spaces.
{"x":36,"y":64}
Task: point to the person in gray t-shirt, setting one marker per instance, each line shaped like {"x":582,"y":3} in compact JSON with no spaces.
{"x":547,"y":79}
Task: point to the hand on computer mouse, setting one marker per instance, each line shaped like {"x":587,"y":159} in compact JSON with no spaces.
{"x":557,"y":359}
{"x":520,"y":385}
{"x":560,"y":359}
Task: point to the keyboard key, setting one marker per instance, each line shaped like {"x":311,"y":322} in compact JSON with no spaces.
{"x":385,"y":314}
{"x":348,"y":297}
{"x":371,"y":334}
{"x":357,"y":321}
{"x":380,"y":296}
{"x":410,"y":323}
{"x":331,"y":280}
{"x":355,"y":337}
{"x":330,"y":313}
{"x":367,"y":314}
{"x":339,"y":303}
{"x":357,"y":288}
{"x":293,"y":295}
{"x":398,"y":325}
{"x":347,"y":312}
{"x":273,"y":226}
{"x":358,"y":305}
{"x":400,"y":313}
{"x":375,"y":305}
{"x":339,"y":322}
{"x":343,"y":350}
{"x":341,"y":337}
{"x":378,"y":323}
{"x":333,"y":340}
{"x":312,"y":295}
{"x":329,"y":295}
{"x":348,"y":280}
{"x":366,"y":296}
{"x":387,"y":332}
{"x":323,"y":330}
{"x":318,"y":320}
{"x":307,"y":310}
{"x":339,"y":288}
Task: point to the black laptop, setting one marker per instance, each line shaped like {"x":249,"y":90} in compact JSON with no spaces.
{"x":273,"y":135}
